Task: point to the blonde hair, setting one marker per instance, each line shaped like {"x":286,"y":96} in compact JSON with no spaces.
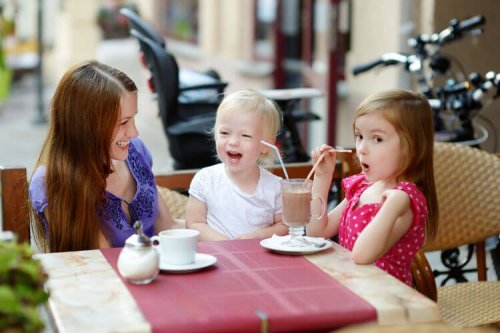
{"x":253,"y":101}
{"x":411,"y":115}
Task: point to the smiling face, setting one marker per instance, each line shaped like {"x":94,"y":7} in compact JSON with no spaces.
{"x":238,"y":137}
{"x":125,"y":129}
{"x":378,"y":147}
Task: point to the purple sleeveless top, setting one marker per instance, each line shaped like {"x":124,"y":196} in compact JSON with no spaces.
{"x":144,"y":205}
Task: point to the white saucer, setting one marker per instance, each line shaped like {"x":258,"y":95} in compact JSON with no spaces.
{"x":201,"y":260}
{"x":275,"y":243}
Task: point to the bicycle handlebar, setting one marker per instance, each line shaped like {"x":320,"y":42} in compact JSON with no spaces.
{"x":386,"y":59}
{"x":358,"y":69}
{"x":457,"y":28}
{"x":460,"y":97}
{"x":413,"y":63}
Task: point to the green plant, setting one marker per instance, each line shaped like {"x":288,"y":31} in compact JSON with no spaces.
{"x":21,"y":288}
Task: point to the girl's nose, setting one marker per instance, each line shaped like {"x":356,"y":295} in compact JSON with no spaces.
{"x":361,"y":147}
{"x":132,"y":131}
{"x":233,"y":140}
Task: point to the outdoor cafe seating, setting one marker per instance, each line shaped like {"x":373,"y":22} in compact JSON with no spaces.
{"x":320,"y":291}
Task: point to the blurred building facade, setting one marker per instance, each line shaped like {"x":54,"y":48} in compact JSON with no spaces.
{"x":288,"y":43}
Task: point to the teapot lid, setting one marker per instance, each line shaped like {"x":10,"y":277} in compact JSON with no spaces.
{"x":138,"y":239}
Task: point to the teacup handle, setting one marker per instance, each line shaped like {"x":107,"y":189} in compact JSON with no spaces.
{"x":323,"y":207}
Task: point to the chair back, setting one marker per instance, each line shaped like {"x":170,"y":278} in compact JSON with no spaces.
{"x":468,"y":190}
{"x":190,"y":144}
{"x":165,"y":77}
{"x":139,"y":24}
{"x":14,"y":202}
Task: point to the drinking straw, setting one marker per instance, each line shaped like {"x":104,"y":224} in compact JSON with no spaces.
{"x":321,"y":157}
{"x":276,"y":150}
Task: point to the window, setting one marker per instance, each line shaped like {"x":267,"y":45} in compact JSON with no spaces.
{"x":179,"y":19}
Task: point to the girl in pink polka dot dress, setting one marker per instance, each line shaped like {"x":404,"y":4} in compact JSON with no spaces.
{"x":390,"y":209}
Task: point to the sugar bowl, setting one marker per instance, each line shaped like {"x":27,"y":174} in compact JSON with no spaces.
{"x":138,"y":261}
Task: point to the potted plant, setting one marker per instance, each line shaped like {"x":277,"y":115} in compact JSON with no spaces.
{"x":21,"y":288}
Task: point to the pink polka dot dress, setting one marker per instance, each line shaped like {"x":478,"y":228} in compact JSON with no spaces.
{"x":355,"y":218}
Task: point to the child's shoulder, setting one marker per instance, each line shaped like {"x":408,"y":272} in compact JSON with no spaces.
{"x":353,"y":184}
{"x":215,"y":168}
{"x":410,"y":188}
{"x":265,"y":173}
{"x":210,"y":172}
{"x":207,"y":179}
{"x":417,"y":197}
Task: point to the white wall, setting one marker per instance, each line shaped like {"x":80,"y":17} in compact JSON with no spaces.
{"x":378,"y":27}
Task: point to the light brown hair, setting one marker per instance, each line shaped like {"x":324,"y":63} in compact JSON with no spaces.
{"x":411,"y":115}
{"x":76,"y":153}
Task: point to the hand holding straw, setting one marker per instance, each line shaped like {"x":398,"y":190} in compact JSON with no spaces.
{"x":321,"y":157}
{"x":277,"y":154}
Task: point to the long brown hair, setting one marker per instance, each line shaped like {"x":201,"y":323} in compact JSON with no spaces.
{"x":84,"y":114}
{"x":411,"y":116}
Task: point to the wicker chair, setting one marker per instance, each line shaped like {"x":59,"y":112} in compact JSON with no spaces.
{"x":434,"y":327}
{"x":468,"y":190}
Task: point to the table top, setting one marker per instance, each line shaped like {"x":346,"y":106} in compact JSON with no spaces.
{"x":87,"y":294}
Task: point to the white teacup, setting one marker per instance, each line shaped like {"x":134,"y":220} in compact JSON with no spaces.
{"x":176,"y":246}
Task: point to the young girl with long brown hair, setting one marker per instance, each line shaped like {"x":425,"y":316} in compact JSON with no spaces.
{"x":390,"y":208}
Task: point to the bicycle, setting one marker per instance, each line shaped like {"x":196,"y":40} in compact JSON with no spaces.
{"x":453,"y":90}
{"x":456,"y":98}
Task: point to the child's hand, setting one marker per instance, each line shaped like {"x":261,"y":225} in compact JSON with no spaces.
{"x":328,"y":159}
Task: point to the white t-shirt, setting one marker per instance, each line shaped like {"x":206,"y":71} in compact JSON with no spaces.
{"x":231,"y":211}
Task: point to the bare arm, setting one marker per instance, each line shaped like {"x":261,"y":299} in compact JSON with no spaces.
{"x":391,"y":222}
{"x":277,"y":228}
{"x":196,"y":218}
{"x":103,"y":242}
{"x":327,"y":225}
{"x":163,"y":219}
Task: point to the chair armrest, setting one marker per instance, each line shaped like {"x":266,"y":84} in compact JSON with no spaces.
{"x":220,"y":86}
{"x":176,"y":180}
{"x":423,"y":276}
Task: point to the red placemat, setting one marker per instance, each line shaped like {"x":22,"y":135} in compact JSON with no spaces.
{"x":246,"y":281}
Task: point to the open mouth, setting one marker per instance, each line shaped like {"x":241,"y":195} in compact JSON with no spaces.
{"x":365,"y":166}
{"x":234,"y":156}
{"x":122,"y":144}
